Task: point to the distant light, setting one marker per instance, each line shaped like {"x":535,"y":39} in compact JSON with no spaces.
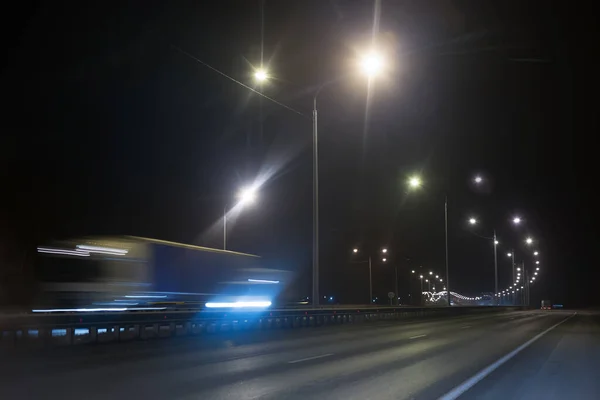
{"x":355,"y":250}
{"x":496,"y":242}
{"x":426,"y":280}
{"x":537,"y":269}
{"x":472,"y":221}
{"x":247,"y":195}
{"x":262,"y":281}
{"x":330,"y":297}
{"x":413,"y":271}
{"x":516,"y":220}
{"x":421,"y":276}
{"x":384,"y":250}
{"x":444,"y":287}
{"x":529,"y":240}
{"x":239,"y":304}
{"x":371,"y":64}
{"x":261,"y":75}
{"x":518,"y":268}
{"x":414,"y":182}
{"x":478,"y":179}
{"x":430,"y":273}
{"x":535,"y":273}
{"x":509,"y":254}
{"x":440,"y":279}
{"x":537,"y":262}
{"x":384,"y":259}
{"x":521,"y":287}
{"x":535,"y":253}
{"x":437,"y":276}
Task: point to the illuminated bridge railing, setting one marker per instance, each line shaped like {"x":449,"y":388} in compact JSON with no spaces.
{"x":440,"y":299}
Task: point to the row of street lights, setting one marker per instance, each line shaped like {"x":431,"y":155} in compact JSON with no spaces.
{"x":371,"y":65}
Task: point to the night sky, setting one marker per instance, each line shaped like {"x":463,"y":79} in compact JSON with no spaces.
{"x":109,"y":128}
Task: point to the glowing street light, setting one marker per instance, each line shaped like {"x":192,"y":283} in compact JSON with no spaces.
{"x":413,"y":271}
{"x":529,"y":240}
{"x":430,"y":273}
{"x":414,"y":182}
{"x":478,"y":179}
{"x":420,"y":276}
{"x":518,"y":268}
{"x":537,"y":262}
{"x":496,"y":242}
{"x":537,"y":269}
{"x":472,"y":221}
{"x":372,"y":64}
{"x":535,"y":253}
{"x":384,"y":259}
{"x":509,"y":254}
{"x":355,"y":250}
{"x":247,"y":195}
{"x":516,"y":220}
{"x":384,"y":250}
{"x":261,"y":75}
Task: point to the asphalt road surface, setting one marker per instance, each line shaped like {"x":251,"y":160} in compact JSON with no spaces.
{"x":469,"y":356}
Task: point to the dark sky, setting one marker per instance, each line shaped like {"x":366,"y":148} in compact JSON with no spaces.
{"x":110,"y":129}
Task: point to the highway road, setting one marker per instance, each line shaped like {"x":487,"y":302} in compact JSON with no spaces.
{"x":418,"y":359}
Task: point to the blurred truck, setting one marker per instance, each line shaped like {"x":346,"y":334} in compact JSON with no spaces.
{"x":135,"y":273}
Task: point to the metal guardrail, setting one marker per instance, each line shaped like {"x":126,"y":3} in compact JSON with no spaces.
{"x":81,"y":328}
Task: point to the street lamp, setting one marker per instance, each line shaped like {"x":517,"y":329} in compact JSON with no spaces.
{"x":371,"y":64}
{"x":414,"y":182}
{"x":535,"y":253}
{"x":509,"y":254}
{"x":529,"y":240}
{"x":260,"y":75}
{"x":516,"y":220}
{"x":384,"y":259}
{"x":384,"y":250}
{"x":472,"y":221}
{"x":247,"y":195}
{"x":355,"y":250}
{"x":478,"y":179}
{"x":537,"y":262}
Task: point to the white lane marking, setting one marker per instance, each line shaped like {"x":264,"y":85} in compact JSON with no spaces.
{"x":416,"y":337}
{"x":309,"y":358}
{"x":465,"y":327}
{"x":472,"y":381}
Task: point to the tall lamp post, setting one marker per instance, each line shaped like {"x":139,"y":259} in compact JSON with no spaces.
{"x":371,"y":65}
{"x":415,"y":183}
{"x":369,"y":261}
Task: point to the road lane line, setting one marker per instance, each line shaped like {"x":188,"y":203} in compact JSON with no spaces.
{"x":472,"y":381}
{"x":309,"y":358}
{"x":465,"y":327}
{"x":416,"y":337}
